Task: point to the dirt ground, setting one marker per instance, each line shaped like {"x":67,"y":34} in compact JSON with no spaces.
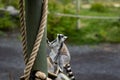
{"x":89,"y":62}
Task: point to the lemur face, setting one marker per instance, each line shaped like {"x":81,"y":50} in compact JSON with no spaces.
{"x":61,"y":37}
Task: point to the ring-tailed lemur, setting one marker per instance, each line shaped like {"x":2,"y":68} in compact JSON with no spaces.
{"x":60,"y":56}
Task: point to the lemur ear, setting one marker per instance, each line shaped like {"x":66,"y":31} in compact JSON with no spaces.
{"x":65,"y":37}
{"x":58,"y":34}
{"x":47,"y":40}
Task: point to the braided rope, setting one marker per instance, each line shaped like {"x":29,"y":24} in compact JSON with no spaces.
{"x":39,"y":36}
{"x":23,"y":29}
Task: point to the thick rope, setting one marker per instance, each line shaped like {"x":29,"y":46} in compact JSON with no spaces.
{"x":23,"y":29}
{"x":36,"y":46}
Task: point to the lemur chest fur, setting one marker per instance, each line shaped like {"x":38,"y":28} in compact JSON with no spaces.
{"x":54,"y":51}
{"x":64,"y":53}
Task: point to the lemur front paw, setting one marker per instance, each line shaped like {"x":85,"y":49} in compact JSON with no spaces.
{"x":41,"y":75}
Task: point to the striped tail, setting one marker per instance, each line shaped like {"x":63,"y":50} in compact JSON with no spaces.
{"x":69,"y":72}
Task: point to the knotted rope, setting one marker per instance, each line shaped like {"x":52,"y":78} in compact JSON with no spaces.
{"x":39,"y":36}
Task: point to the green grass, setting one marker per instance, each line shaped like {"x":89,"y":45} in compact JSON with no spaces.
{"x":96,"y":31}
{"x":92,"y":31}
{"x":111,"y":12}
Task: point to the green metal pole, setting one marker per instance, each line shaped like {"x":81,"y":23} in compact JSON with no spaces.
{"x":33,"y":9}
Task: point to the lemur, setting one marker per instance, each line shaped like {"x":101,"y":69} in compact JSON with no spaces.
{"x":60,"y":56}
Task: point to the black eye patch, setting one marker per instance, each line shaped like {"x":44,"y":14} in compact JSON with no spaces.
{"x":62,"y":36}
{"x":59,"y":37}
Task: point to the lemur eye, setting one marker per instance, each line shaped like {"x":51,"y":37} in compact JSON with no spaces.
{"x":62,"y":36}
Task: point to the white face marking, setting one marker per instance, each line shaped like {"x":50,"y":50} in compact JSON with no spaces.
{"x":61,"y":38}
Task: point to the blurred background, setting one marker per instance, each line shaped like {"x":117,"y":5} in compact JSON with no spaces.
{"x":93,"y":30}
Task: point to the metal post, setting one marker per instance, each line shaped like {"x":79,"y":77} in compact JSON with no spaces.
{"x":33,"y":9}
{"x":78,"y":11}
